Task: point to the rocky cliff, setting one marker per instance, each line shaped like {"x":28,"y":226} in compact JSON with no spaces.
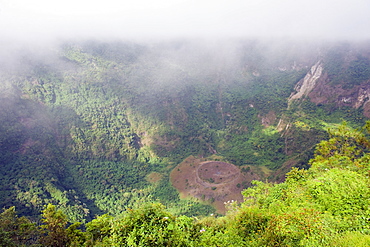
{"x":308,"y":83}
{"x":318,"y":86}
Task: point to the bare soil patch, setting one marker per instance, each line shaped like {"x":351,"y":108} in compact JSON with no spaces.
{"x":154,"y":177}
{"x":367,"y":109}
{"x":216,"y":172}
{"x":212,"y":182}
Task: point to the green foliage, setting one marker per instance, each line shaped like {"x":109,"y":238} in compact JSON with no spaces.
{"x":358,"y":71}
{"x":56,"y":233}
{"x":334,"y":63}
{"x":98,"y":229}
{"x":149,"y":225}
{"x":249,"y":222}
{"x":54,"y":224}
{"x":340,"y":192}
{"x":112,"y":185}
{"x":296,"y":228}
{"x":326,"y":205}
{"x":312,"y":206}
{"x":346,"y":148}
{"x":17,"y":231}
{"x":84,"y":131}
{"x":348,"y":75}
{"x":348,"y":239}
{"x":217,"y":232}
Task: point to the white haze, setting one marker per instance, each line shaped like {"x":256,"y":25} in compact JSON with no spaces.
{"x":45,"y":20}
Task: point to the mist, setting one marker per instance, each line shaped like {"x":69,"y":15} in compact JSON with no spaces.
{"x":40,"y":26}
{"x":157,"y":81}
{"x":43,"y":21}
{"x":187,"y":39}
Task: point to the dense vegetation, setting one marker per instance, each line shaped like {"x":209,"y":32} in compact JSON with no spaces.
{"x":84,"y":126}
{"x":325,"y":205}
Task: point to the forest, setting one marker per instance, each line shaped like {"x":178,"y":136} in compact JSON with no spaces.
{"x":325,"y":205}
{"x":93,"y":133}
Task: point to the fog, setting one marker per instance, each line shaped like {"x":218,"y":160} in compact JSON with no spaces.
{"x":32,"y":29}
{"x":42,"y":20}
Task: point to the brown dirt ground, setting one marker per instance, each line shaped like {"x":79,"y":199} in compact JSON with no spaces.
{"x":212,"y":182}
{"x":367,"y":109}
{"x":154,"y":177}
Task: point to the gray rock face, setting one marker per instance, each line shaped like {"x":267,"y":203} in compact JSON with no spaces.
{"x":308,"y":83}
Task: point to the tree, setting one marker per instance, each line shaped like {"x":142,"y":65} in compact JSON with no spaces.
{"x":55,"y":232}
{"x":55,"y":223}
{"x":346,"y":148}
{"x":313,"y":207}
{"x":17,"y":231}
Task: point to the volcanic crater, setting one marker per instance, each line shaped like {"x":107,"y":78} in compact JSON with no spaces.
{"x":213,"y":182}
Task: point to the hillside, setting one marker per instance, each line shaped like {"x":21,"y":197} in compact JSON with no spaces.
{"x":96,"y":127}
{"x":325,"y":205}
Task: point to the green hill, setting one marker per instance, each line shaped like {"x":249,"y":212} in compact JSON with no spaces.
{"x":96,"y":127}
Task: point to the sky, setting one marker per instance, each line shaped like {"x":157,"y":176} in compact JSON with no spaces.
{"x":38,"y":20}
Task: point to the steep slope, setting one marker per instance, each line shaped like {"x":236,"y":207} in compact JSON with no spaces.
{"x":305,"y":86}
{"x":347,"y":85}
{"x":88,"y":127}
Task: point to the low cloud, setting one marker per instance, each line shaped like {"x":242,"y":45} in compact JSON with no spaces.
{"x":42,"y":20}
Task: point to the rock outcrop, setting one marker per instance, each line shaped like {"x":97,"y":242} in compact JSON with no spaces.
{"x":308,"y":83}
{"x":318,"y":88}
{"x":355,"y":97}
